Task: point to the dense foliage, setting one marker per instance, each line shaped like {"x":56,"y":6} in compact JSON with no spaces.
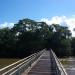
{"x":29,"y":36}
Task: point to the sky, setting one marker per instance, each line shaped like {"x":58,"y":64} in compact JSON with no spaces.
{"x":49,"y":11}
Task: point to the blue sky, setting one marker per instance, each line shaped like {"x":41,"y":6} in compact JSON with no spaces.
{"x":50,"y":11}
{"x":13,"y":10}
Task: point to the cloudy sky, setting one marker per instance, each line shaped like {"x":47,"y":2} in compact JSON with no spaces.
{"x":51,"y":11}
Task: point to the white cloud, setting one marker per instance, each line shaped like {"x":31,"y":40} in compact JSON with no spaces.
{"x":6,"y":24}
{"x":62,"y":20}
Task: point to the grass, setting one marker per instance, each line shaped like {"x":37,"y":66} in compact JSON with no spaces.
{"x":7,"y":61}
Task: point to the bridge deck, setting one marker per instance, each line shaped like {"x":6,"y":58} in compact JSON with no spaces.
{"x":43,"y":66}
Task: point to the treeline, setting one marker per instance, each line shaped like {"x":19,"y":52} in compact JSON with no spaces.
{"x":28,"y":36}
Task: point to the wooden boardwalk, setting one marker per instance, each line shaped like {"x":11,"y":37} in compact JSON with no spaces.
{"x":43,"y":66}
{"x":40,"y":63}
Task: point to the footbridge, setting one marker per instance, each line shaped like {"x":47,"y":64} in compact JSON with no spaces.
{"x":40,"y":63}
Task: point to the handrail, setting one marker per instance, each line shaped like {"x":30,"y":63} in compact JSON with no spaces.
{"x":21,"y":65}
{"x":59,"y":65}
{"x":16,"y":62}
{"x":15,"y":66}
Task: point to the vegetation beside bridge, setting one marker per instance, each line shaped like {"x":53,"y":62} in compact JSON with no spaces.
{"x":29,"y":36}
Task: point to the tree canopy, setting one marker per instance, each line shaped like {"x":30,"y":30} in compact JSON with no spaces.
{"x":29,"y":36}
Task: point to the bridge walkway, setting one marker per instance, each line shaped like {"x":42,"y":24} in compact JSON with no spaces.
{"x":43,"y":66}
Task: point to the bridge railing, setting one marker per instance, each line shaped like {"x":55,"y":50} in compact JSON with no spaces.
{"x":20,"y":66}
{"x":57,"y":64}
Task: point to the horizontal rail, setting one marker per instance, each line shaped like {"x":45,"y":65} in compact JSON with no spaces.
{"x":14,"y":64}
{"x":20,"y":65}
{"x":59,"y":67}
